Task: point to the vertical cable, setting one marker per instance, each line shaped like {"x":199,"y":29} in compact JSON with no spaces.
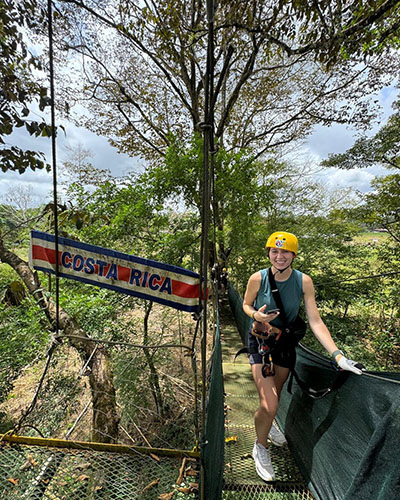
{"x":54,"y":162}
{"x":208,"y":141}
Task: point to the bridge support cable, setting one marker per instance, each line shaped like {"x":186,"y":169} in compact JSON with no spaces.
{"x":208,"y":145}
{"x":54,"y":342}
{"x":54,"y":156}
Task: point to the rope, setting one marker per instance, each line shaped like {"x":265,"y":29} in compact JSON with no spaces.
{"x":324,"y":360}
{"x":38,"y":389}
{"x":125,"y":344}
{"x":195,"y":377}
{"x":208,"y":133}
{"x":54,"y":160}
{"x":331,"y":283}
{"x":54,"y":165}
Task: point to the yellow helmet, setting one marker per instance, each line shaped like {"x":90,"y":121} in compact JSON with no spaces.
{"x":281,"y":239}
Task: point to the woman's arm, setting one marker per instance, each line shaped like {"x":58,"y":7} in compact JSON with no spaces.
{"x":253,"y":285}
{"x":321,"y":331}
{"x":316,"y":324}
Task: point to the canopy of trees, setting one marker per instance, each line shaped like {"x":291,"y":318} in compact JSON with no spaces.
{"x":20,"y":85}
{"x":279,"y":67}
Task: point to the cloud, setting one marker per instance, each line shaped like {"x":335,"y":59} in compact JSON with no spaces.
{"x":334,"y":178}
{"x":104,"y":155}
{"x":40,"y":182}
{"x":337,"y":139}
{"x":326,"y":140}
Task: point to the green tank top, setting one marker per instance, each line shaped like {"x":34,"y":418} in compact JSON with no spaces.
{"x":291,"y":292}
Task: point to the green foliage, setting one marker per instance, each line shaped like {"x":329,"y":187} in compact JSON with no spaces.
{"x":131,"y":218}
{"x":6,"y":423}
{"x":382,"y":206}
{"x":23,"y":339}
{"x":383,"y":148}
{"x":15,"y":223}
{"x":96,"y":309}
{"x":375,"y":299}
{"x":386,"y":343}
{"x":19,"y":87}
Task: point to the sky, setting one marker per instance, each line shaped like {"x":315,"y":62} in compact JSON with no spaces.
{"x":337,"y":139}
{"x":39,"y":182}
{"x":322,"y":142}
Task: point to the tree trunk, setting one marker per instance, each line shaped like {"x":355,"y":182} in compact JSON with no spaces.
{"x":105,"y":416}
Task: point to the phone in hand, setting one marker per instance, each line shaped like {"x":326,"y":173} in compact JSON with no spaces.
{"x":273,"y":311}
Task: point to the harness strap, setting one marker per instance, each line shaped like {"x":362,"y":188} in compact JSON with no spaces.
{"x":340,"y":379}
{"x":245,"y":350}
{"x":267,"y":369}
{"x":277,"y":298}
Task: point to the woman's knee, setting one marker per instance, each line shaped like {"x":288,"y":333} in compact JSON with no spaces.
{"x":268,"y":409}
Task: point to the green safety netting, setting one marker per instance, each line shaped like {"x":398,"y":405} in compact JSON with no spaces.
{"x":243,"y":322}
{"x":346,"y":443}
{"x":212,"y":451}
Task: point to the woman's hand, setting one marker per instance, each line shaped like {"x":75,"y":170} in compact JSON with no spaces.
{"x":263,"y":316}
{"x":349,"y":365}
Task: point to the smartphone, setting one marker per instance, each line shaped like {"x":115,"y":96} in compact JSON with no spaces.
{"x":273,"y":311}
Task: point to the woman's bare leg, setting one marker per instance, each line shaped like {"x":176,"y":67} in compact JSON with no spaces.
{"x":269,"y":390}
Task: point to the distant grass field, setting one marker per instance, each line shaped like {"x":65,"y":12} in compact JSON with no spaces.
{"x":372,"y":237}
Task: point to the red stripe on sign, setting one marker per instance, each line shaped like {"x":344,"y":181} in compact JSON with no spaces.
{"x":124,"y":273}
{"x":181,"y":289}
{"x":42,"y":253}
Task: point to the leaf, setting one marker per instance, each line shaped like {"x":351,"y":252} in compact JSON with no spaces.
{"x":25,"y":466}
{"x":13,"y":481}
{"x":181,"y":471}
{"x":184,"y":490}
{"x":231,"y":439}
{"x":83,"y":477}
{"x":150,"y":485}
{"x":84,"y":465}
{"x":155,"y":457}
{"x":166,"y":496}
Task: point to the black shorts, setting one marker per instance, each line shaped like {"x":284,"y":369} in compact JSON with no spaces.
{"x":286,"y":359}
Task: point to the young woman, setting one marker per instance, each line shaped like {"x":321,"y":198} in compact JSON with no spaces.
{"x":293,"y":286}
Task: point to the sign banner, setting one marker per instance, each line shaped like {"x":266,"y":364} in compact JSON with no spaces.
{"x":147,"y":279}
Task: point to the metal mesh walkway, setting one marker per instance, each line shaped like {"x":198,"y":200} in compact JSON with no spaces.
{"x":39,"y":472}
{"x":241,"y":399}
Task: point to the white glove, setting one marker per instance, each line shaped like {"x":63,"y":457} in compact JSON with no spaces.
{"x":349,"y":365}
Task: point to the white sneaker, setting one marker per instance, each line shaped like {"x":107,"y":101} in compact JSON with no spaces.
{"x":263,"y":463}
{"x":276,"y":436}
